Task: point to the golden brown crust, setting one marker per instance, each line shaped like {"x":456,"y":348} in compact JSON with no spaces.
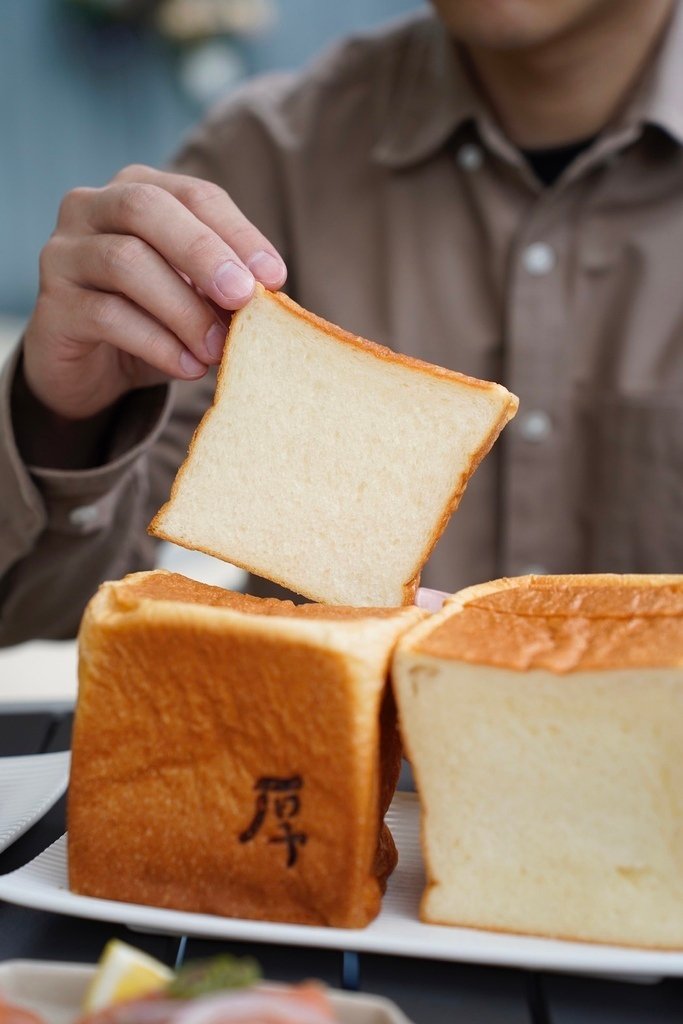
{"x":506,"y":415}
{"x":441,"y":373}
{"x":596,"y":597}
{"x":161,"y":585}
{"x":563,"y":624}
{"x":387,"y":354}
{"x":374,"y":348}
{"x":182,"y":710}
{"x":155,"y":527}
{"x":380,"y":352}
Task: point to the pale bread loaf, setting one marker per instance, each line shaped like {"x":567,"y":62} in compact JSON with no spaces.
{"x":328,"y":463}
{"x":544,"y":720}
{"x":189,"y":697}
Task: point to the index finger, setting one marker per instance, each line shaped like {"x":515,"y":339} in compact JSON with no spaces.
{"x":214,"y":207}
{"x":153,"y":214}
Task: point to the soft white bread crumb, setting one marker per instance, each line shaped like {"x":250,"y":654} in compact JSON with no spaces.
{"x":328,"y":463}
{"x":552,"y":800}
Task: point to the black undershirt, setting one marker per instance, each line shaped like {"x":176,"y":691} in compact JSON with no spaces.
{"x":548,"y":164}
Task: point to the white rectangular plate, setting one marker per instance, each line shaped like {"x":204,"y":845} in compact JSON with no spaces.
{"x":29,"y":786}
{"x":397,"y":930}
{"x":55,"y":991}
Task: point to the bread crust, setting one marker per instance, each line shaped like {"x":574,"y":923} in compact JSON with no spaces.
{"x":411,"y":584}
{"x":507,"y":413}
{"x":189,"y":697}
{"x":380,"y":351}
{"x":560,"y":623}
{"x":161,"y":585}
{"x":502,"y":625}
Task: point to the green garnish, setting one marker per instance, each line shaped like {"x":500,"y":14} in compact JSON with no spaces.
{"x":204,"y":976}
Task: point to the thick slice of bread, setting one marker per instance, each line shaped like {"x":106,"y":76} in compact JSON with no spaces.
{"x":231,"y":755}
{"x":544,"y":720}
{"x":328,"y":463}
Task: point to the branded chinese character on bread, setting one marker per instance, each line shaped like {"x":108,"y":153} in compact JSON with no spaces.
{"x":238,"y":753}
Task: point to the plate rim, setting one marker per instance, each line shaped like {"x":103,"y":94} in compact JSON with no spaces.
{"x":40,"y":809}
{"x":449,"y":944}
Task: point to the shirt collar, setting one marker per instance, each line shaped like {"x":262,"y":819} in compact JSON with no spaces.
{"x":658,"y":99}
{"x":429,"y":94}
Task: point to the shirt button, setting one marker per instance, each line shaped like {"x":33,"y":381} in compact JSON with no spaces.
{"x":538,"y":258}
{"x":84,"y":515}
{"x":535,"y":426}
{"x":470,"y":157}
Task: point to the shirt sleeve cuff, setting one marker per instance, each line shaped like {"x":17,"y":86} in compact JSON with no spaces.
{"x":22,"y":513}
{"x":79,"y":501}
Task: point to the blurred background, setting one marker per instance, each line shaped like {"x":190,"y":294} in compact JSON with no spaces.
{"x":91,"y":85}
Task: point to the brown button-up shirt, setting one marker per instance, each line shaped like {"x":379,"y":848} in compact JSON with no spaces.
{"x":405,"y":215}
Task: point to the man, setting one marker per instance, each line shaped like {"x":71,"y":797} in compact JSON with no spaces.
{"x":498,"y":188}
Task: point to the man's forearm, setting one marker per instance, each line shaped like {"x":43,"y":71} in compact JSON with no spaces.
{"x":73,"y":513}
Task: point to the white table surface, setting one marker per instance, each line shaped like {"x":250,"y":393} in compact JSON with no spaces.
{"x":38,"y":674}
{"x":43,"y":673}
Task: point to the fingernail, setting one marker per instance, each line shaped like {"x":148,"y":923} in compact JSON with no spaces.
{"x":267,"y":268}
{"x":191,"y":366}
{"x":214,"y":340}
{"x":234,"y":282}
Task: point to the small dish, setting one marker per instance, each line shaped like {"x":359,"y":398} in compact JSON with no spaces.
{"x":55,"y":992}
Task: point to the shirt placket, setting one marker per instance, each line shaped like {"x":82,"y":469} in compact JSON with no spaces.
{"x":534,"y":532}
{"x":540,"y":528}
{"x":536,"y":535}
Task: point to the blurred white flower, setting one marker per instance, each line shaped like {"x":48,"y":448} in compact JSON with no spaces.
{"x":210,"y":69}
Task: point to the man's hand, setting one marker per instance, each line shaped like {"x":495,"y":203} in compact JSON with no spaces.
{"x":136,"y":285}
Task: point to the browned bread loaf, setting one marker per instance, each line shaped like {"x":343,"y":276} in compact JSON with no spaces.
{"x":544,"y":719}
{"x":233,"y":755}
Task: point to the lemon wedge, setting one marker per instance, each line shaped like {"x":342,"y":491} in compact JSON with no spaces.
{"x":124,"y":972}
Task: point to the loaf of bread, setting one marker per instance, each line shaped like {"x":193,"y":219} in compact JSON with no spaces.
{"x":544,"y":720}
{"x":328,"y":463}
{"x":233,"y":755}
